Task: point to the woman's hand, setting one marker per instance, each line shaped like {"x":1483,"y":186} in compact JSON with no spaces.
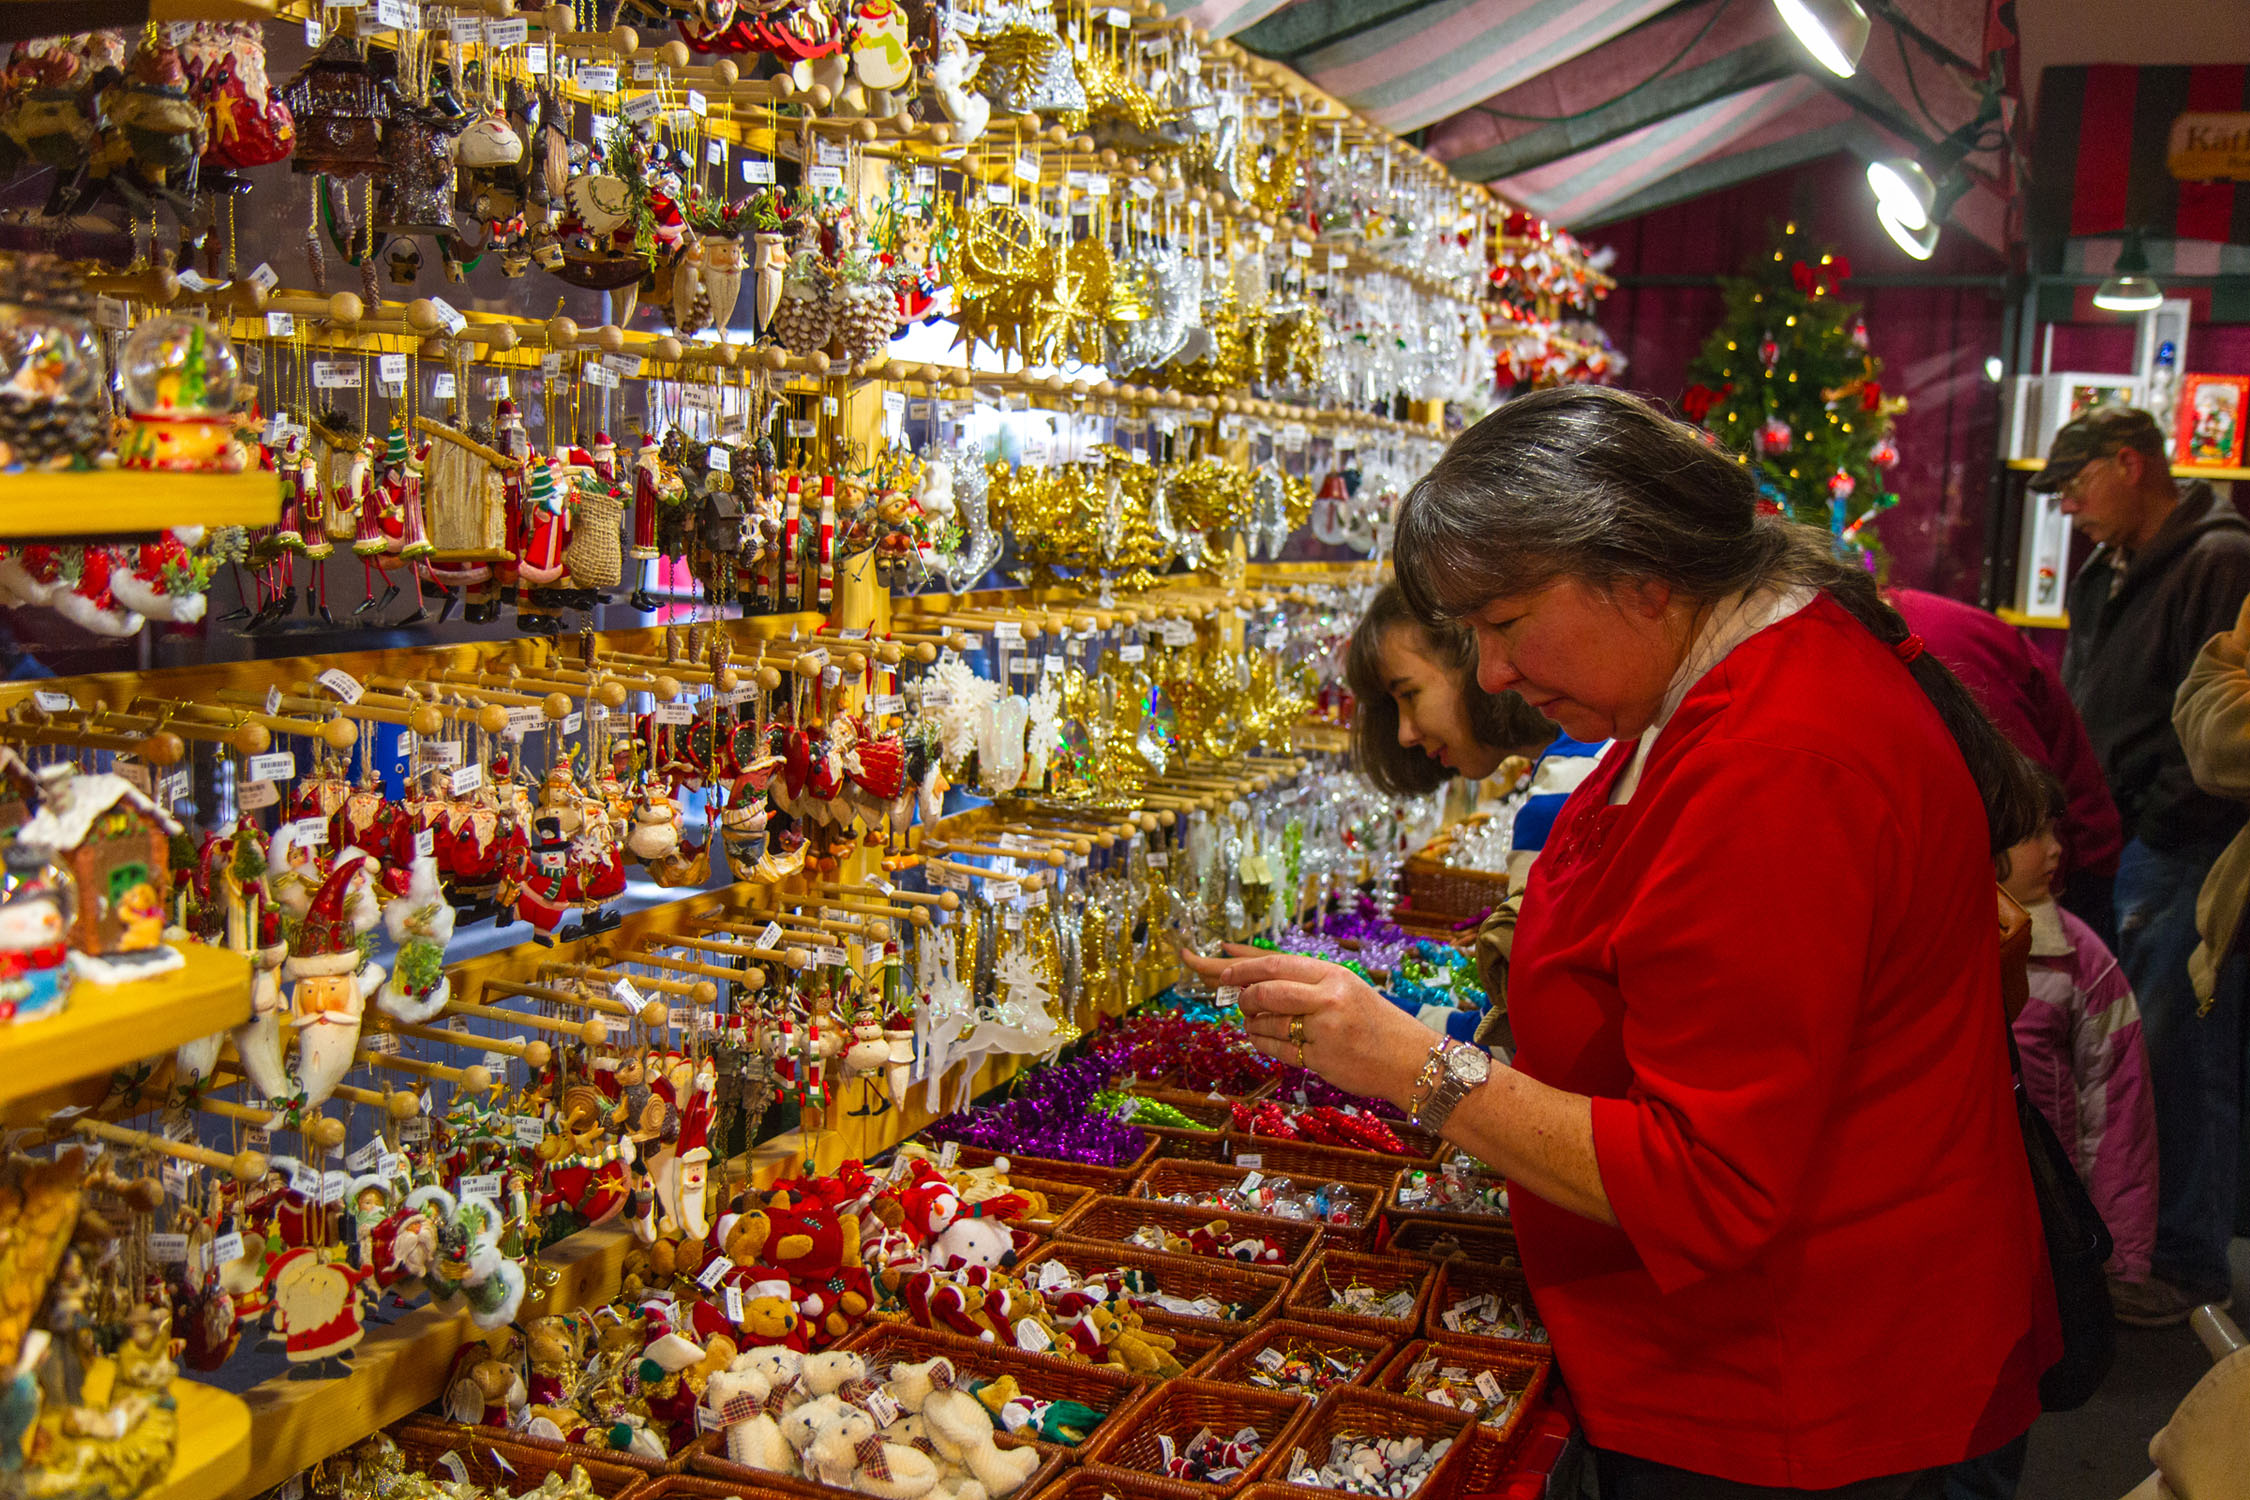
{"x":1306,"y":1010}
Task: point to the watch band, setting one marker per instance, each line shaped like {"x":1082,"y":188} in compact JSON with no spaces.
{"x":1450,"y":1090}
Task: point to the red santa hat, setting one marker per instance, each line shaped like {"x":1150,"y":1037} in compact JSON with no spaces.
{"x":325,"y":942}
{"x":649,"y":444}
{"x":929,"y":1201}
{"x":603,"y":447}
{"x":695,"y":1130}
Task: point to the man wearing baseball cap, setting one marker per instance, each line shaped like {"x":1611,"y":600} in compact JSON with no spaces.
{"x":2169,"y":569}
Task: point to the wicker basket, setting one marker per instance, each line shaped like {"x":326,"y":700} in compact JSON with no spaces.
{"x":1178,"y":1409}
{"x":1375,"y":1169}
{"x":1102,"y":1179}
{"x":1523,"y":1376}
{"x":1372,"y":1351}
{"x":1333,"y":1270}
{"x":1043,"y":1377}
{"x":1435,"y":892}
{"x":1095,"y":1482}
{"x":1459,"y":1279}
{"x":576,"y":1452}
{"x":708,"y":1463}
{"x":596,"y":554}
{"x":1188,"y":1145}
{"x":1108,"y":1220}
{"x":509,"y":1463}
{"x":1356,"y":1413}
{"x":1253,"y":1294}
{"x":1398,"y":1209}
{"x":1062,"y":1198}
{"x":1163,"y":1179}
{"x":1196,"y":1349}
{"x":1492,"y":1243}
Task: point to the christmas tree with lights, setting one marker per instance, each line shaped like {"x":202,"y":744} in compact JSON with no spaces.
{"x":1786,"y":384}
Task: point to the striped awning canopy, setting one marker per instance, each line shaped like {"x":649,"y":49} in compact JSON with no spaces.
{"x":1588,"y":111}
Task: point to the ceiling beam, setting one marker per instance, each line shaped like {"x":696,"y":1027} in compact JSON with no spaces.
{"x":1723,"y":172}
{"x":1310,"y":25}
{"x":1745,"y":68}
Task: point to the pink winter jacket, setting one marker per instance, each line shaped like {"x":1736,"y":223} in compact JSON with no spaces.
{"x":2080,"y":1036}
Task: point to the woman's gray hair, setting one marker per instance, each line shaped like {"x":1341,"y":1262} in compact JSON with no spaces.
{"x":1592,"y":484}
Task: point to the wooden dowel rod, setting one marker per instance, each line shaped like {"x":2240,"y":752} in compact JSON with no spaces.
{"x":955,"y":846}
{"x":489,"y":717}
{"x":160,"y":749}
{"x":247,"y":1166}
{"x":946,"y":899}
{"x":700,"y":991}
{"x":336,"y":734}
{"x":345,"y":711}
{"x":593,"y":1031}
{"x":399,"y":1104}
{"x":795,"y":958}
{"x":649,"y":1012}
{"x":1029,"y":882}
{"x":708,"y":971}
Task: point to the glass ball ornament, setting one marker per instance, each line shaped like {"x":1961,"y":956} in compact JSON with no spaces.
{"x":177,"y":375}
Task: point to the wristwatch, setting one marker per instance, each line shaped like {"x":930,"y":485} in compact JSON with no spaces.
{"x":1453,"y":1070}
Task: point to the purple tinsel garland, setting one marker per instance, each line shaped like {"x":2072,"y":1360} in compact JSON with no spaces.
{"x":1048,"y":1118}
{"x":1382,"y":944}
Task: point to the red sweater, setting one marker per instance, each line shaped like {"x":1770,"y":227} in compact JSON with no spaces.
{"x":1776,"y":972}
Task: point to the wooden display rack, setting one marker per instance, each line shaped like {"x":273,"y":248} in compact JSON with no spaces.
{"x":121,"y":502}
{"x":103,"y":1027}
{"x":213,"y":1456}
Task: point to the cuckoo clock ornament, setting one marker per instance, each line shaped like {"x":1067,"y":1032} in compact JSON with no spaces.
{"x":339,"y":106}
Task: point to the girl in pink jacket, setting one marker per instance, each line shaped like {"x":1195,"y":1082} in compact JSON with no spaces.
{"x":2080,"y":1039}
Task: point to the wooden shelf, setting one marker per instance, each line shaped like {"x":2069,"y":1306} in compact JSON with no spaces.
{"x":2034,"y":622}
{"x":213,"y":1456}
{"x":2179,"y":471}
{"x":105,"y":1027}
{"x":120,"y":502}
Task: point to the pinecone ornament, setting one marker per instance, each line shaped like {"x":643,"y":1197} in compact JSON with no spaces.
{"x":866,"y":320}
{"x":805,"y":320}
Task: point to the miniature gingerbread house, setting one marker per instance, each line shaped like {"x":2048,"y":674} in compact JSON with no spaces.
{"x":115,"y":843}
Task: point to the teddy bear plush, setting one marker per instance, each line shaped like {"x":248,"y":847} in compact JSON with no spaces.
{"x":739,"y":1403}
{"x":976,"y":1241}
{"x":962,"y":1430}
{"x":817,"y":1251}
{"x":912,"y":1384}
{"x":849,"y":1445}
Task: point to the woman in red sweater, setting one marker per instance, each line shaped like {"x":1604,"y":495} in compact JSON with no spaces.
{"x":1770,"y":1189}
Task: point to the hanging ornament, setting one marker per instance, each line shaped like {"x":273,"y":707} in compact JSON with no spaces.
{"x":1775,"y":436}
{"x":1841,"y":485}
{"x":1859,"y":333}
{"x":1883,"y":454}
{"x":1768,"y":351}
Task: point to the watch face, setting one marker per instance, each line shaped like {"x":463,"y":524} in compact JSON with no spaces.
{"x":1469,"y":1065}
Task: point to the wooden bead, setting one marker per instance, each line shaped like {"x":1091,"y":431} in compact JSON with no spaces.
{"x":611,"y":338}
{"x":345,"y":307}
{"x":492,"y":718}
{"x":625,"y":40}
{"x":163,"y":748}
{"x":422,"y":316}
{"x":342,"y":734}
{"x":557,"y":707}
{"x":726,"y":72}
{"x":561,"y":332}
{"x":251,"y":739}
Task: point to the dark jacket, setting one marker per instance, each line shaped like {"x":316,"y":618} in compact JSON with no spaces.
{"x":2129,"y":654}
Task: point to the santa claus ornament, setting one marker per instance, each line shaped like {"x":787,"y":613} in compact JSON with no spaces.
{"x":319,"y":1307}
{"x":331,"y":980}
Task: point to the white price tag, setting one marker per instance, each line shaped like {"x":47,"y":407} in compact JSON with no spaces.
{"x":530,"y":1130}
{"x":770,"y":939}
{"x":573,"y":722}
{"x":719,"y":458}
{"x":280,"y":325}
{"x":442,"y":387}
{"x":697,"y":105}
{"x":466,"y":779}
{"x":622,"y":364}
{"x":251,"y":796}
{"x":757,"y":169}
{"x":390,"y":368}
{"x":441,"y":753}
{"x":1253,"y":1160}
{"x":1025,"y":168}
{"x":329,"y":375}
{"x":342,"y":683}
{"x":535,"y":58}
{"x":366,"y":1156}
{"x":53,"y":702}
{"x":715,"y":1272}
{"x":824,"y":177}
{"x":641,"y":108}
{"x":1131,"y":651}
{"x":278,"y":765}
{"x":486,"y":1185}
{"x":832,"y":957}
{"x":598,"y":80}
{"x":167,"y":1249}
{"x":601,"y":375}
{"x":675,"y":713}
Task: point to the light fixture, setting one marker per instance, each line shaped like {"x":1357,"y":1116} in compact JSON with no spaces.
{"x":1904,"y":188}
{"x":2130,"y":289}
{"x":1993,"y":368}
{"x":1833,"y":31}
{"x":1918,"y":243}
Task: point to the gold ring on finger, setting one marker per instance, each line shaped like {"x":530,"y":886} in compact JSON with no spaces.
{"x":1297,"y":1030}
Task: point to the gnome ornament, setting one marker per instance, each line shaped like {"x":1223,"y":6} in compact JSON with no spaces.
{"x":420,"y":923}
{"x":331,"y":983}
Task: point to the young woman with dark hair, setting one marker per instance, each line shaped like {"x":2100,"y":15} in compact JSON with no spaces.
{"x":1770,"y":1190}
{"x":1418,"y":717}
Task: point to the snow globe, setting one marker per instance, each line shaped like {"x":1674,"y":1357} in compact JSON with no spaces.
{"x":178,"y":377}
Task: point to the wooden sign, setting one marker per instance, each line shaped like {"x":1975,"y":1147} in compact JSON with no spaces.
{"x":2209,"y":145}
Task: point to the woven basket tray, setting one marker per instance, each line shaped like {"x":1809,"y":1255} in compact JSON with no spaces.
{"x":1353,"y":1412}
{"x":1061,"y":1198}
{"x":1371,"y":1350}
{"x":1458,"y":1279}
{"x":1397,"y":1209}
{"x":1043,"y":1377}
{"x":425,"y":1439}
{"x":1164,"y":1178}
{"x":1197,"y":1349}
{"x":1187,"y":1145}
{"x":1108,"y":1220}
{"x":1492,"y":1244}
{"x":1375,"y":1169}
{"x":1096,"y":1482}
{"x":1434,"y":891}
{"x":1179,"y":1408}
{"x":1254,"y":1294}
{"x":1104,"y":1179}
{"x":574,"y":1452}
{"x":1522,"y":1375}
{"x":1333,"y":1270}
{"x":709,"y":1463}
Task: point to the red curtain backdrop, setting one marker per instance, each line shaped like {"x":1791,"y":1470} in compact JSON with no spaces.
{"x":1933,"y":341}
